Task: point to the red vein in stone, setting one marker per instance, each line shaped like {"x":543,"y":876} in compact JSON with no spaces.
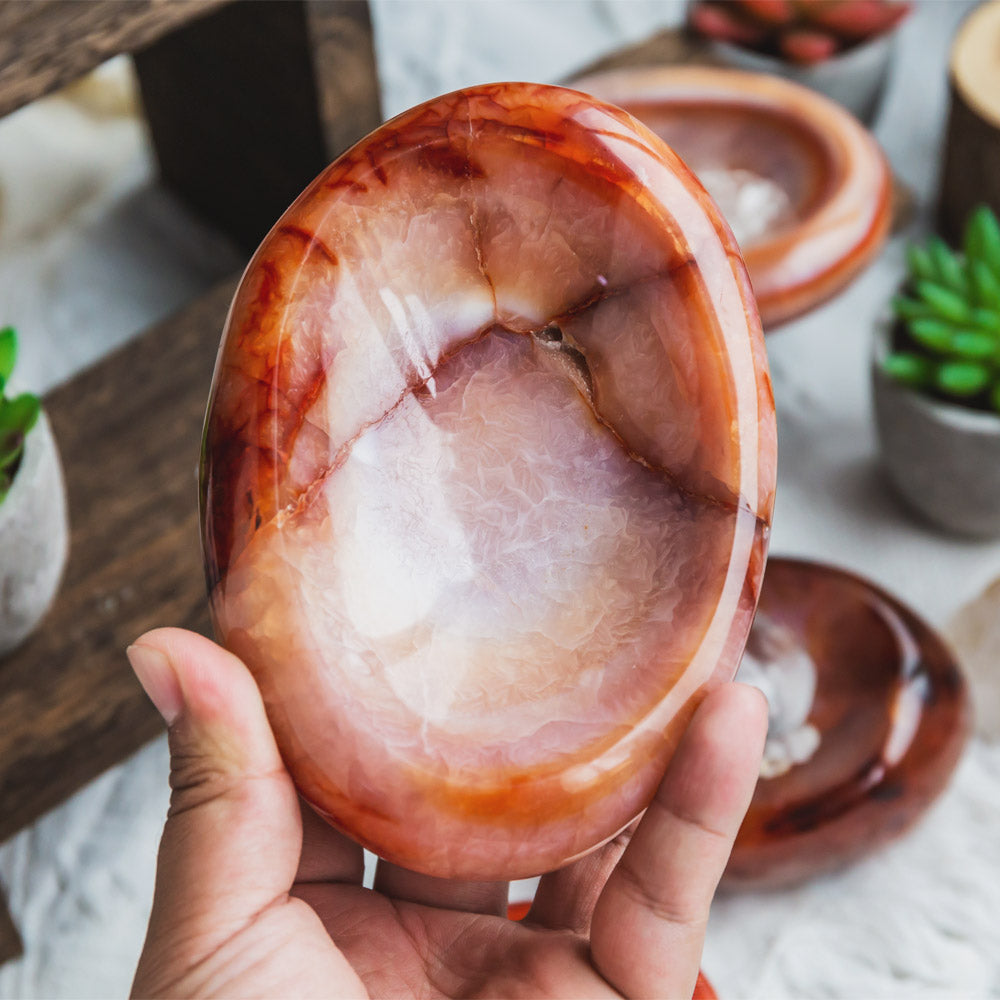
{"x":303,"y":499}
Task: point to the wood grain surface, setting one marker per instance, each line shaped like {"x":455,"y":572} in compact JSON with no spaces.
{"x":129,"y":432}
{"x":46,"y":44}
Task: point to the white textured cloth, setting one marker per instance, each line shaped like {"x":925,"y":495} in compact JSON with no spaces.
{"x":920,"y":919}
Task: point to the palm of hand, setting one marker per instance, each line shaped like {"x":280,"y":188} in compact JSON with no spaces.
{"x":398,"y":948}
{"x":257,"y":897}
{"x":392,"y":947}
{"x":331,"y":937}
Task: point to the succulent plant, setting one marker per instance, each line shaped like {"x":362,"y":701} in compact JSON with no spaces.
{"x":801,"y":31}
{"x":947,"y":342}
{"x":18,"y":414}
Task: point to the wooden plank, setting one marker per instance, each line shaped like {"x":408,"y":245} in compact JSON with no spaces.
{"x":129,"y":431}
{"x":246,"y":106}
{"x":46,"y":44}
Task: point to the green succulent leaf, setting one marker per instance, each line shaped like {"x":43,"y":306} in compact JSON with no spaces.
{"x":946,"y":303}
{"x":907,"y":308}
{"x":951,"y":311}
{"x":962,"y":378}
{"x":947,"y":266}
{"x":982,"y":235}
{"x":972,"y":243}
{"x":934,"y":334}
{"x":985,"y":284}
{"x":919,"y":262}
{"x":11,"y":450}
{"x":985,"y":319}
{"x":974,"y":345}
{"x":910,"y":369}
{"x":19,"y":414}
{"x":8,"y":353}
{"x":6,"y":481}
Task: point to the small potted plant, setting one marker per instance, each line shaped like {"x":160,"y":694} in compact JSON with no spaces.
{"x":841,"y":48}
{"x":33,"y":528}
{"x":936,"y":381}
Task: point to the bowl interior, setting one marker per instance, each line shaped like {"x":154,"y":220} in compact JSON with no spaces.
{"x":867,"y":665}
{"x":767,"y":170}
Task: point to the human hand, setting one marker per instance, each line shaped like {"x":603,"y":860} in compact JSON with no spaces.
{"x":257,"y":896}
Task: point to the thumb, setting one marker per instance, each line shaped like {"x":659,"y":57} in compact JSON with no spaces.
{"x":233,"y":834}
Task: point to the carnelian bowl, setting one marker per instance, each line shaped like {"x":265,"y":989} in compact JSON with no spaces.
{"x":487,"y":477}
{"x":805,"y":187}
{"x":892,"y":711}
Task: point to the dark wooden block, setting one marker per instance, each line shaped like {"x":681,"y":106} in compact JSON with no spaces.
{"x":129,"y":431}
{"x":247,"y":105}
{"x":46,"y":44}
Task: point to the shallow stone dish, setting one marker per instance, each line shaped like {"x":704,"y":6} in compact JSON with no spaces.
{"x":487,"y":477}
{"x":804,"y":186}
{"x":891,"y":711}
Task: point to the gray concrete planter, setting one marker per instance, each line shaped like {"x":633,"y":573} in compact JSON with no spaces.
{"x":34,"y":538}
{"x":855,"y":79}
{"x":944,"y":460}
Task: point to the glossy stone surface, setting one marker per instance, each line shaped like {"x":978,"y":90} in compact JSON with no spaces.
{"x":804,"y":186}
{"x":892,"y":712}
{"x":488,"y":470}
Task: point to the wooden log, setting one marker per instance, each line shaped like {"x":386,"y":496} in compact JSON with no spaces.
{"x":971,"y":174}
{"x":247,"y":105}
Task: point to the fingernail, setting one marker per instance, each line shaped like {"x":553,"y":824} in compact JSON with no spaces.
{"x":158,"y":680}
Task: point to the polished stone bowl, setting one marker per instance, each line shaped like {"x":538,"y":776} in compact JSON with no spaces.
{"x":804,"y":186}
{"x":488,"y":475}
{"x":892,"y":710}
